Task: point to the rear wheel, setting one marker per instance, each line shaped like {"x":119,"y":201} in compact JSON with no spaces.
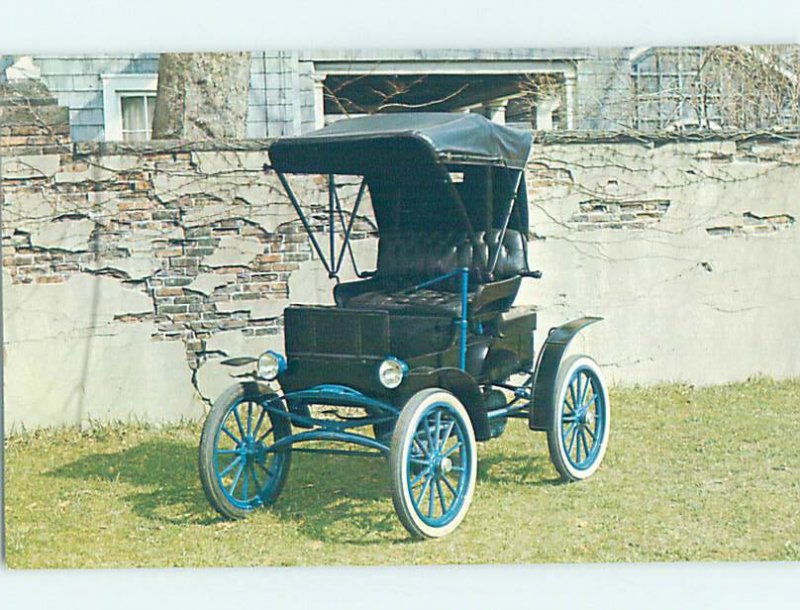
{"x":578,"y":436}
{"x":238,"y":469}
{"x":433,"y":461}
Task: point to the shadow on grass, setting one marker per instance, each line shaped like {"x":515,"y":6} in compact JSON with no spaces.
{"x":501,"y":468}
{"x":332,"y":498}
{"x":340,"y":499}
{"x":321,"y":491}
{"x":165,"y":469}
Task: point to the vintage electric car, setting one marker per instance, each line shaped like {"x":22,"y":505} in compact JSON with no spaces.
{"x":425,"y":355}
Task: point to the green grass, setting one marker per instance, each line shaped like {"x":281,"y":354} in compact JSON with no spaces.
{"x":691,"y":474}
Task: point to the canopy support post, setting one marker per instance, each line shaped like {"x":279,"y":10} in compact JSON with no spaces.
{"x":331,"y":197}
{"x":489,"y":195}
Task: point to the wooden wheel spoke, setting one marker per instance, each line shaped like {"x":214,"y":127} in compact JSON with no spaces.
{"x":255,"y":478}
{"x":230,"y":434}
{"x":232,"y":489}
{"x":263,"y":436}
{"x":450,"y":486}
{"x":259,"y":421}
{"x":424,"y":489}
{"x":230,"y":466}
{"x":418,"y":479}
{"x":238,"y":420}
{"x":441,"y":495}
{"x":572,"y":439}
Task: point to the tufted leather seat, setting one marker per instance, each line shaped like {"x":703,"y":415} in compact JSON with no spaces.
{"x":408,"y":259}
{"x":421,"y":302}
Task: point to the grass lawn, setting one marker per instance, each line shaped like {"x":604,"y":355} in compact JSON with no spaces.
{"x":690,"y":474}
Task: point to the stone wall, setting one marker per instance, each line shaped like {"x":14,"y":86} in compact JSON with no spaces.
{"x":130,"y":271}
{"x":31,"y":121}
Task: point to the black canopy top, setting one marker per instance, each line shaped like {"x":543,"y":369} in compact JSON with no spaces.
{"x":367,"y":145}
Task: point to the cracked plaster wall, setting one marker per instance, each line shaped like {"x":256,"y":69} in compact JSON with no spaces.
{"x":129,"y":272}
{"x":680,"y":303}
{"x":194,"y":246}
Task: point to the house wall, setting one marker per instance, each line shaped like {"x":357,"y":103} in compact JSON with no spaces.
{"x":281,"y":94}
{"x":130,"y":271}
{"x":74,"y":80}
{"x":282,"y":84}
{"x":604,"y":90}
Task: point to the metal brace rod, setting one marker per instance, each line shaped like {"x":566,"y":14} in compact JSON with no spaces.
{"x":328,"y":435}
{"x":505,"y":225}
{"x":332,"y":236}
{"x":349,"y":228}
{"x":327,"y":424}
{"x":348,"y":452}
{"x":463,"y":209}
{"x":296,"y":204}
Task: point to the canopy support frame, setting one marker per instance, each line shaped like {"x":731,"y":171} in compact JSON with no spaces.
{"x":333,"y":265}
{"x":347,"y":231}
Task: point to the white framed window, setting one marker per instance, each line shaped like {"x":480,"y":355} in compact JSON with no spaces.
{"x":128,"y":103}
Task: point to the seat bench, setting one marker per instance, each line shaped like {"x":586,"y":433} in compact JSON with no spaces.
{"x":407,"y":260}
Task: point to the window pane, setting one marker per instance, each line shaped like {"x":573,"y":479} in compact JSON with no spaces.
{"x":133,"y":114}
{"x":137,"y":117}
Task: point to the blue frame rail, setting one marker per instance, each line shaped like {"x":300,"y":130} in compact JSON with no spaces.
{"x":337,"y":430}
{"x":519,"y":405}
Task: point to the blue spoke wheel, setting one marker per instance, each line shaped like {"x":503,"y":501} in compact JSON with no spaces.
{"x":581,"y":419}
{"x":433,"y":461}
{"x":238,"y":470}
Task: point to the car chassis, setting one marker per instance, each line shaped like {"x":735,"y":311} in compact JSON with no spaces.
{"x":424,"y":356}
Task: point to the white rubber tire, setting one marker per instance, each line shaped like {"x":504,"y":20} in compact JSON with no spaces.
{"x":555,"y":439}
{"x":402,"y":438}
{"x":235,"y":394}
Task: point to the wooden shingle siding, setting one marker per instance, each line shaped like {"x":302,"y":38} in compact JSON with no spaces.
{"x":275,"y":94}
{"x":76,"y":83}
{"x":87,"y":133}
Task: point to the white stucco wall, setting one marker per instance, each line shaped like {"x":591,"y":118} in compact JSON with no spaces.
{"x":66,"y":360}
{"x":688,"y":250}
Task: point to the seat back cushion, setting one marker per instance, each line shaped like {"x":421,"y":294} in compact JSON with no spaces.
{"x":416,"y":257}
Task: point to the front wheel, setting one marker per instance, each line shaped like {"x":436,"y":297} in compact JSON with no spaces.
{"x":581,"y":419}
{"x":238,"y":469}
{"x":433,"y":462}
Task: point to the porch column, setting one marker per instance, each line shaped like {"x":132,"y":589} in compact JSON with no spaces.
{"x":544,"y":113}
{"x":495,"y":111}
{"x":570,"y":90}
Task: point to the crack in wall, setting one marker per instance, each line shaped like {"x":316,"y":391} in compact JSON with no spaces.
{"x":160,"y":217}
{"x":753,"y":224}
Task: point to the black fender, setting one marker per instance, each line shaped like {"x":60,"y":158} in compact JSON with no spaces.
{"x":546,"y":374}
{"x":459,"y":383}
